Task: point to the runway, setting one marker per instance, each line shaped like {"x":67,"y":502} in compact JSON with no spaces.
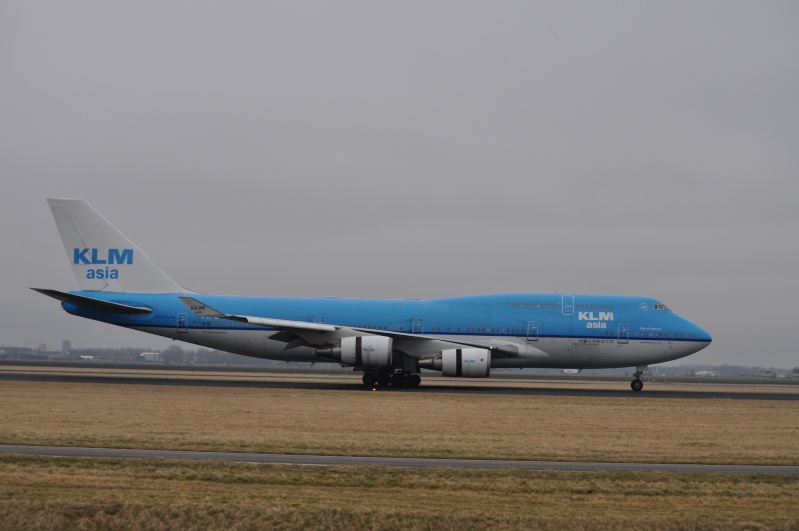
{"x":519,"y":387}
{"x":407,"y":462}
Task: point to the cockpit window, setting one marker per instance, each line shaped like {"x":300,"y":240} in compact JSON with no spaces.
{"x":660,"y":307}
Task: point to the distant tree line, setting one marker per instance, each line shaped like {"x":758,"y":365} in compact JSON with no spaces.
{"x":725,"y":370}
{"x":175,"y":354}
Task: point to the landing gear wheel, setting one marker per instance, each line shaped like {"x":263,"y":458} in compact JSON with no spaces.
{"x":637,"y":385}
{"x":368,"y":379}
{"x":384,"y":380}
{"x":413,"y":380}
{"x":398,"y":379}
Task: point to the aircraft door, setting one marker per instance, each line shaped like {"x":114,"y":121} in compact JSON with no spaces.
{"x":626,"y":352}
{"x":417,"y":325}
{"x":568,"y":305}
{"x":532,"y":331}
{"x":624,"y":333}
{"x":183,"y":323}
{"x":567,"y":311}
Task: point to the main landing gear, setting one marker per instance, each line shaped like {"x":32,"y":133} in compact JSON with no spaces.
{"x":636,"y":385}
{"x":394,"y":379}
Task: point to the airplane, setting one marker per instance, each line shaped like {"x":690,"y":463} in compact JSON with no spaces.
{"x":389,"y":341}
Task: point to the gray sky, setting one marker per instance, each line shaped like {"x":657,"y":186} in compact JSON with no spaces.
{"x":412,"y":150}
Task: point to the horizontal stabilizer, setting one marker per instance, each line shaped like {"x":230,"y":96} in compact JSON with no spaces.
{"x":92,"y":304}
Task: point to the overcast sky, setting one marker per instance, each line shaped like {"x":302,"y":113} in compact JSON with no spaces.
{"x":412,"y":150}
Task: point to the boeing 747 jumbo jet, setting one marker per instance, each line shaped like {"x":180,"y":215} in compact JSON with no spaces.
{"x":388,"y":340}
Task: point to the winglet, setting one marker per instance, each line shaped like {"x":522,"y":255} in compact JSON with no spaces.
{"x":198,"y":308}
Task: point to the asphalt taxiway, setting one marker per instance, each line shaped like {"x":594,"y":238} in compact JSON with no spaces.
{"x":407,"y":462}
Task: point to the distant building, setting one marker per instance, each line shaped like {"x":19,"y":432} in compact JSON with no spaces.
{"x":150,"y":356}
{"x":66,"y":345}
{"x":706,"y":374}
{"x":767,"y":374}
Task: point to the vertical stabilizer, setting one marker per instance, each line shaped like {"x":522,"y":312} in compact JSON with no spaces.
{"x":102,"y":258}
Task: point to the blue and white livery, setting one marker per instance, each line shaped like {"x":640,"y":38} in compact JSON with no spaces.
{"x":388,"y":340}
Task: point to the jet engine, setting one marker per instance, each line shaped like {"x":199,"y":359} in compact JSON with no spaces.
{"x":361,"y":351}
{"x":463,"y":362}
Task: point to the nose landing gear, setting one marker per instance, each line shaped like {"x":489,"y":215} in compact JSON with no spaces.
{"x":636,"y":385}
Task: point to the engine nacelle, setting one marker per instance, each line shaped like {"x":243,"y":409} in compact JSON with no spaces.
{"x":462,"y":362}
{"x":362,"y":351}
{"x":367,"y":351}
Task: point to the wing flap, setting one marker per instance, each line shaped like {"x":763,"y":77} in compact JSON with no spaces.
{"x":316,"y":334}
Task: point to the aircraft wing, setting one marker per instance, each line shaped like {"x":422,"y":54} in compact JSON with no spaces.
{"x":200,"y":309}
{"x":303,"y":333}
{"x":401,"y":338}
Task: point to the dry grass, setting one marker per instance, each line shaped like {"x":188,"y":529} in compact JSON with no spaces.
{"x":61,"y":493}
{"x":400,"y":424}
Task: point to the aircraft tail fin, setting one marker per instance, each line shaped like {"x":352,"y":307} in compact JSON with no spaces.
{"x":102,"y":258}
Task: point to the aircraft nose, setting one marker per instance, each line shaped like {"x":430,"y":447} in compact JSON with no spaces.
{"x":699,"y":338}
{"x":702,"y":335}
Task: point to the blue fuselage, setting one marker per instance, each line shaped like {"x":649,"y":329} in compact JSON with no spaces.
{"x":528,"y":329}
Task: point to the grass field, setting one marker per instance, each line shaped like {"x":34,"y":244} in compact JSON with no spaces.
{"x":365,"y":423}
{"x":60,"y":493}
